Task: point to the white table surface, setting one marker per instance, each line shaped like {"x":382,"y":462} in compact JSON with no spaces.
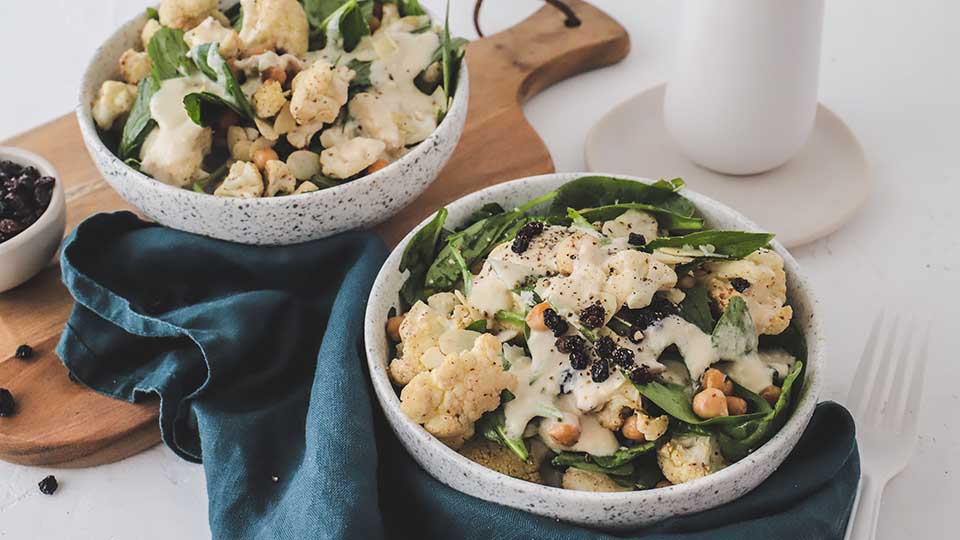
{"x":889,"y":69}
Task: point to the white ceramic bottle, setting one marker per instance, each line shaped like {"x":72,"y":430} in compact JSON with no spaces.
{"x":743,"y":97}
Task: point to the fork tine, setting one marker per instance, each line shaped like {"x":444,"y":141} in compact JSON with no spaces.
{"x":863,"y":378}
{"x":887,"y":362}
{"x":912,"y":403}
{"x":903,"y":376}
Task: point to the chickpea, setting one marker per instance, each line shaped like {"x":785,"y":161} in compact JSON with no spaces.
{"x":736,"y":406}
{"x":535,"y":317}
{"x":393,"y":328}
{"x":771,"y":394}
{"x":565,"y":434}
{"x":630,"y":430}
{"x":687,"y":282}
{"x":274,"y":73}
{"x":377,"y":165}
{"x":262,"y":155}
{"x":710,"y":403}
{"x":664,"y":483}
{"x":714,"y":378}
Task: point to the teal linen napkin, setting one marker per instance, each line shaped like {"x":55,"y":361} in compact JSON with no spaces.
{"x":255,"y":354}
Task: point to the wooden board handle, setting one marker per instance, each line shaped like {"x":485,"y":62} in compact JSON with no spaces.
{"x":542,"y":50}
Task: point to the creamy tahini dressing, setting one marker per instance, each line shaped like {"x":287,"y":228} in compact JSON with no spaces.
{"x":695,"y":346}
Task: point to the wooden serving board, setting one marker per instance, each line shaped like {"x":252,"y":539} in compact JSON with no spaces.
{"x":62,"y":423}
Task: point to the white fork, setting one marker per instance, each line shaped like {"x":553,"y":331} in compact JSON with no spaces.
{"x":885,"y":400}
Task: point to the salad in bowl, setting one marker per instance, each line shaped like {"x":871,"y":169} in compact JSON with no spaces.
{"x":599,"y":337}
{"x":270,"y":98}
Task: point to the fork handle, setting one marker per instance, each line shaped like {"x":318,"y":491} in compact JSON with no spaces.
{"x":867,"y":511}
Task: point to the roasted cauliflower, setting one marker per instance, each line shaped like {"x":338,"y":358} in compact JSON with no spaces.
{"x":374,"y":117}
{"x":764,"y":288}
{"x":687,"y":457}
{"x":279,"y":179}
{"x":421,"y":330}
{"x":632,"y":221}
{"x":319,"y":92}
{"x":134,"y":66}
{"x":114,"y":100}
{"x":211,"y":31}
{"x":268,"y":99}
{"x":185,"y":14}
{"x":449,"y":398}
{"x":243,"y":181}
{"x":279,"y":25}
{"x":347,"y":159}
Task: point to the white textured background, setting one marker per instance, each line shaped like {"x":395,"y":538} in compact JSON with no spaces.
{"x":889,"y":69}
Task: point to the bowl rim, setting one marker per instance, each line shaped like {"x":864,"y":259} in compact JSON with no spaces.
{"x":802,"y":411}
{"x":57,"y":201}
{"x":91,"y":135}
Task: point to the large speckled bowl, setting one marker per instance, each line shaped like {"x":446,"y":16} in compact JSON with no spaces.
{"x":277,"y":220}
{"x":607,"y":510}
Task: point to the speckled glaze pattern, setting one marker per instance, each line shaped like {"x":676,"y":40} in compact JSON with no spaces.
{"x":606,"y":510}
{"x":267,"y":221}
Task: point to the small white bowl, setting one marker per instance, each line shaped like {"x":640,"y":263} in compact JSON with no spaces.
{"x":607,"y":510}
{"x":290,"y":219}
{"x":22,"y":256}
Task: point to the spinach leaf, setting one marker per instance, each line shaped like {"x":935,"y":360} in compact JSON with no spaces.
{"x":474,"y":243}
{"x":410,"y":7}
{"x":347,"y":23}
{"x":646,"y":473}
{"x":623,"y":455}
{"x":232,"y":97}
{"x":152,"y":13}
{"x":168,"y":55}
{"x":598,"y":191}
{"x":465,"y":274}
{"x":361,"y":81}
{"x":734,"y":336}
{"x":583,"y":461}
{"x":491,"y":426}
{"x":417,"y":258}
{"x":318,"y":11}
{"x":578,"y":221}
{"x":139,"y":122}
{"x":451,"y":54}
{"x":726,"y":244}
{"x":666,"y":218}
{"x":695,"y":308}
{"x":485,"y":211}
{"x":677,"y":401}
{"x":740,"y":439}
{"x":234,"y":14}
{"x":478,"y":326}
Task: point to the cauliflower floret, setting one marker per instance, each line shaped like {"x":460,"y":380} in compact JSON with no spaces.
{"x":581,"y":480}
{"x":421,"y":330}
{"x":632,"y":221}
{"x":448,"y":399}
{"x":185,"y":14}
{"x":337,"y":134}
{"x":306,"y":187}
{"x":175,"y":156}
{"x":254,"y":65}
{"x":300,"y":136}
{"x":626,"y":400}
{"x":501,"y":459}
{"x":766,"y":291}
{"x":351,"y":157}
{"x":148,"y":31}
{"x":279,"y":179}
{"x":635,"y":276}
{"x":268,"y":99}
{"x":211,"y":31}
{"x":240,"y":141}
{"x":134,"y":66}
{"x":243,"y":181}
{"x":279,"y":25}
{"x":319,"y":92}
{"x":114,"y":99}
{"x":375,"y":119}
{"x":689,"y":456}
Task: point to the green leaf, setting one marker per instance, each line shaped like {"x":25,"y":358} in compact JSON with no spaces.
{"x":318,"y":11}
{"x":208,"y":60}
{"x":492,"y":426}
{"x":360,"y":81}
{"x":740,"y":439}
{"x":599,"y":191}
{"x":353,"y":27}
{"x":511,"y":317}
{"x":451,"y":54}
{"x":734,"y":336}
{"x":457,"y":43}
{"x":410,"y":7}
{"x":153,"y":14}
{"x":168,"y":55}
{"x":666,"y":218}
{"x":624,"y":455}
{"x":695,"y":308}
{"x":582,"y":461}
{"x":465,"y":274}
{"x":578,"y":221}
{"x":417,"y":257}
{"x":139,"y":122}
{"x":478,"y":326}
{"x":677,"y":401}
{"x":726,"y":244}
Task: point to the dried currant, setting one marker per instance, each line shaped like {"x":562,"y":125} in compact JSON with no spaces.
{"x":49,"y":485}
{"x":739,"y":284}
{"x":600,"y":370}
{"x":556,"y":323}
{"x":623,"y":358}
{"x":593,"y":316}
{"x":24,"y":352}
{"x":604,"y":347}
{"x":579,"y":360}
{"x":642,"y":375}
{"x":636,"y":239}
{"x":568,"y":344}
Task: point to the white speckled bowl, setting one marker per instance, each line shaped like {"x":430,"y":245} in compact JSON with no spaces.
{"x":277,"y":220}
{"x":608,"y":510}
{"x":29,"y":252}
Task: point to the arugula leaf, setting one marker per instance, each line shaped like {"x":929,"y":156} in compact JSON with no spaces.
{"x":417,"y":258}
{"x":168,"y":55}
{"x":233,"y":96}
{"x":598,"y":191}
{"x":666,"y":218}
{"x":451,"y":54}
{"x":492,"y":426}
{"x":734,"y":336}
{"x":465,"y":274}
{"x":139,"y":122}
{"x":511,"y":317}
{"x":410,"y":7}
{"x":695,"y":308}
{"x":740,"y":439}
{"x":726,"y":244}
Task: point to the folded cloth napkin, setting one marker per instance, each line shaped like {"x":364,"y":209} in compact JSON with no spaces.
{"x":255,"y":354}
